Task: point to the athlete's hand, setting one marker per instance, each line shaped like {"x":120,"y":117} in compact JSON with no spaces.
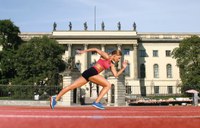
{"x":80,"y":51}
{"x":124,"y":64}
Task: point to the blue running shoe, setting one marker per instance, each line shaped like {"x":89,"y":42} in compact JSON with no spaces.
{"x":53,"y":102}
{"x":98,"y":105}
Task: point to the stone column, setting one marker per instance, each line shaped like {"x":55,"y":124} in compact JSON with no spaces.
{"x":67,"y":97}
{"x":119,"y":46}
{"x":135,"y":61}
{"x":102,"y":47}
{"x":86,"y":57}
{"x":69,"y":50}
{"x":120,"y":62}
{"x":102,"y":73}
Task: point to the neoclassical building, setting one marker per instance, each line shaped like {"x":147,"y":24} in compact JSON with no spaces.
{"x":151,"y":69}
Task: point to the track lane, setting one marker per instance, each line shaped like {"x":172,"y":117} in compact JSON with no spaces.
{"x":87,"y":117}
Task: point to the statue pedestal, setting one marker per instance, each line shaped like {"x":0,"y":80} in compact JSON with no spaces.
{"x":116,"y":95}
{"x":67,"y":97}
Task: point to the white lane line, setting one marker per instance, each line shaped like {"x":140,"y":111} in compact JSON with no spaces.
{"x":93,"y":117}
{"x":96,"y":111}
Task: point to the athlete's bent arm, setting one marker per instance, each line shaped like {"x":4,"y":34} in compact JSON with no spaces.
{"x":117,"y":73}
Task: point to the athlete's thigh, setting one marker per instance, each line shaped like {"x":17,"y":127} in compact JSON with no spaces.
{"x":78,"y":83}
{"x":98,"y":79}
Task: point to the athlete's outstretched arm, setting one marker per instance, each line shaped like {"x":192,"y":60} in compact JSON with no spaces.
{"x":101,"y":53}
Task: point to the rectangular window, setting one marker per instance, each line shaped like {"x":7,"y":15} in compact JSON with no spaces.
{"x":155,"y":53}
{"x":109,"y":50}
{"x":128,"y":90}
{"x":169,"y":89}
{"x":142,"y":53}
{"x":126,"y":51}
{"x":127,"y":70}
{"x":156,"y":89}
{"x":168,"y":53}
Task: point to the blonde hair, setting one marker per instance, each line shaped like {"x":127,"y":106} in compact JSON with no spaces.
{"x":117,"y":52}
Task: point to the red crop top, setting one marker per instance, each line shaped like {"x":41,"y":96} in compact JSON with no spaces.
{"x":104,"y":63}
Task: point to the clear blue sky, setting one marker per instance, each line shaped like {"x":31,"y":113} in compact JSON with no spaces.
{"x":149,"y":15}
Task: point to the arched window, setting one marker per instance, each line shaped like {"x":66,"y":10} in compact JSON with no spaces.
{"x":142,"y":71}
{"x":169,"y":70}
{"x":156,"y":71}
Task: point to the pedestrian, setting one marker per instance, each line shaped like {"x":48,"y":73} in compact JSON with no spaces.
{"x":106,"y":61}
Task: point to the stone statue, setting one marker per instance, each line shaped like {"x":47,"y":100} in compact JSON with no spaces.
{"x":70,"y":26}
{"x":71,"y":69}
{"x":134,"y":26}
{"x":54,"y":26}
{"x":85,"y":26}
{"x":119,"y":26}
{"x":102,"y":26}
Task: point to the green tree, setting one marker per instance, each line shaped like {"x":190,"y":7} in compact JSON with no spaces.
{"x":37,"y":60}
{"x":9,"y":37}
{"x":188,"y":60}
{"x":9,"y":40}
{"x":7,"y":67}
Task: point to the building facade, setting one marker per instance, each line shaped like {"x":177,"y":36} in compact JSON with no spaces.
{"x":151,"y":69}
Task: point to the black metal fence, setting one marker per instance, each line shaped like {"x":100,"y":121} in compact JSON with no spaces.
{"x":28,"y":92}
{"x":43,"y":92}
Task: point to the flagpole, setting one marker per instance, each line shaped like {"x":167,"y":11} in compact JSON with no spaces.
{"x":94,"y":18}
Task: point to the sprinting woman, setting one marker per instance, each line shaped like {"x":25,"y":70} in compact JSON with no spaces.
{"x":92,"y":74}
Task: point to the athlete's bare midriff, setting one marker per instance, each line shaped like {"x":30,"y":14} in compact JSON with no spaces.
{"x":98,"y":67}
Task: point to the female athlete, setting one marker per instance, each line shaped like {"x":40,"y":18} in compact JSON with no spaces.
{"x":92,"y":74}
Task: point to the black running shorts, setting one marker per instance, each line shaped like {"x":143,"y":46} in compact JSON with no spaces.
{"x":89,"y":72}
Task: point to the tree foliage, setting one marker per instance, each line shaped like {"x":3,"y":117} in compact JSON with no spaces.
{"x":188,"y":60}
{"x":37,"y":60}
{"x":9,"y":38}
{"x":9,"y":41}
{"x":7,"y":68}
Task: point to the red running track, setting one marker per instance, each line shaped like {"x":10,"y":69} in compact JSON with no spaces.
{"x":89,"y":117}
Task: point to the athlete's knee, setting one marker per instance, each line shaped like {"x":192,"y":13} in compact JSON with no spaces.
{"x":108,"y":85}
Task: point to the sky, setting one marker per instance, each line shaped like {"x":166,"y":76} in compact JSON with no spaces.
{"x":149,"y":15}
